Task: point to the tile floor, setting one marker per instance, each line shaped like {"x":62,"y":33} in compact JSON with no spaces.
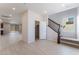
{"x":11,"y":44}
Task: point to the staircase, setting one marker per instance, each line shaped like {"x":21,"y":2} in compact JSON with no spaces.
{"x":56,"y":27}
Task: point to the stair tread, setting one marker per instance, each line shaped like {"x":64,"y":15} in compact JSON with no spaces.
{"x":72,"y":39}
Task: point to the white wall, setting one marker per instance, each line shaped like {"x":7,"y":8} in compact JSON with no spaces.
{"x":78,"y":23}
{"x":51,"y":35}
{"x":43,"y":26}
{"x":31,"y":26}
{"x":28,"y":26}
{"x":42,"y":30}
{"x":32,"y":16}
{"x":25,"y":26}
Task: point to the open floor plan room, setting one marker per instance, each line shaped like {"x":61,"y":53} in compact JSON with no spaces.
{"x":39,"y":29}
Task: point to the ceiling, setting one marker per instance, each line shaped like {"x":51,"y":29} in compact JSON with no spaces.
{"x":40,"y":8}
{"x":9,"y":15}
{"x":51,"y":8}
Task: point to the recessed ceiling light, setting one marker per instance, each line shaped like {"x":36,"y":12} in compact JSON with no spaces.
{"x":63,"y":5}
{"x":45,"y":12}
{"x":10,"y":15}
{"x":13,"y":8}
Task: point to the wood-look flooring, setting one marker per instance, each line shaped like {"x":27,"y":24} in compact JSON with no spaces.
{"x":11,"y":44}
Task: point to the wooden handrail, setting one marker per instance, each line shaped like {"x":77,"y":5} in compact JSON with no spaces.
{"x":54,"y":22}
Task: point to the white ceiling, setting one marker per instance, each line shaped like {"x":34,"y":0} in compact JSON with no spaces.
{"x":51,"y":8}
{"x":41,"y":8}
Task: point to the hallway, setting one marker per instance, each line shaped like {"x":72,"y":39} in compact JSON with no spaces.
{"x":12,"y":44}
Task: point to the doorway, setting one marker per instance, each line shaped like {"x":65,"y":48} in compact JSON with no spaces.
{"x":36,"y":30}
{"x":1,"y":29}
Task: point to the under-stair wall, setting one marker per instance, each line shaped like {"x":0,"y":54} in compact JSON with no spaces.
{"x":51,"y":34}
